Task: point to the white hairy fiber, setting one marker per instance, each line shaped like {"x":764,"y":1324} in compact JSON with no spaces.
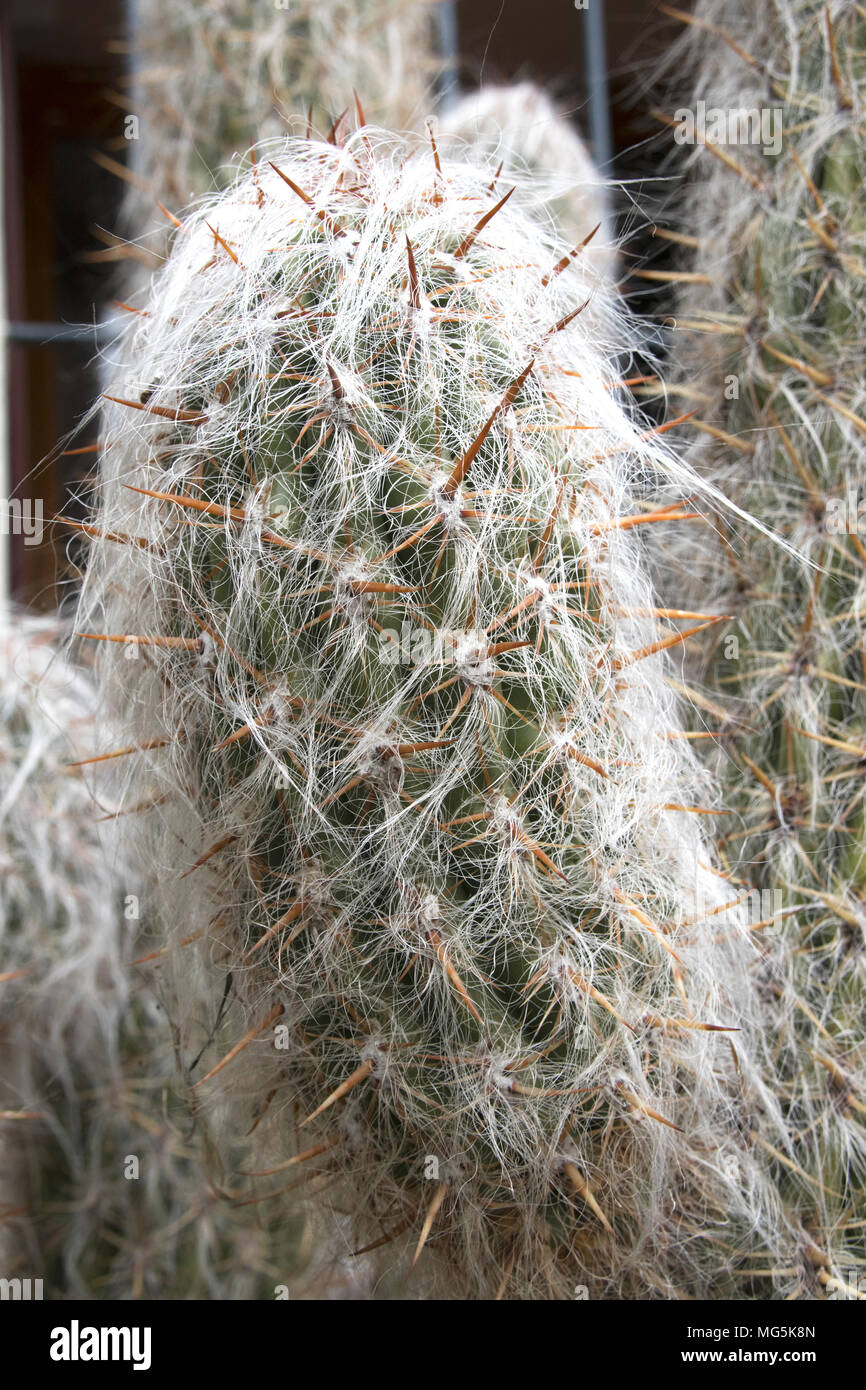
{"x":411,"y":786}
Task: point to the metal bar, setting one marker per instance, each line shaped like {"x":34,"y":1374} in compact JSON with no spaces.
{"x":449,"y":47}
{"x":595,"y":60}
{"x":49,"y":334}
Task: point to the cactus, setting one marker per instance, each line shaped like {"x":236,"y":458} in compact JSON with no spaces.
{"x":205,"y":81}
{"x":61,"y":978}
{"x":409,"y":781}
{"x":201,"y":85}
{"x":140,"y":1210}
{"x":522,"y":127}
{"x":86,"y":1058}
{"x":773,"y":310}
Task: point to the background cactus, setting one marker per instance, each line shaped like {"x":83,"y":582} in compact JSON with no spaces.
{"x":410,"y":782}
{"x":772,"y":313}
{"x":207,"y":80}
{"x":61,"y":983}
{"x":520,"y":126}
{"x":142,"y":1211}
{"x":108,"y":1187}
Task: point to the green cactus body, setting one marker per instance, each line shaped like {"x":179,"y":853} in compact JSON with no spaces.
{"x":417,"y":801}
{"x":782,"y":241}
